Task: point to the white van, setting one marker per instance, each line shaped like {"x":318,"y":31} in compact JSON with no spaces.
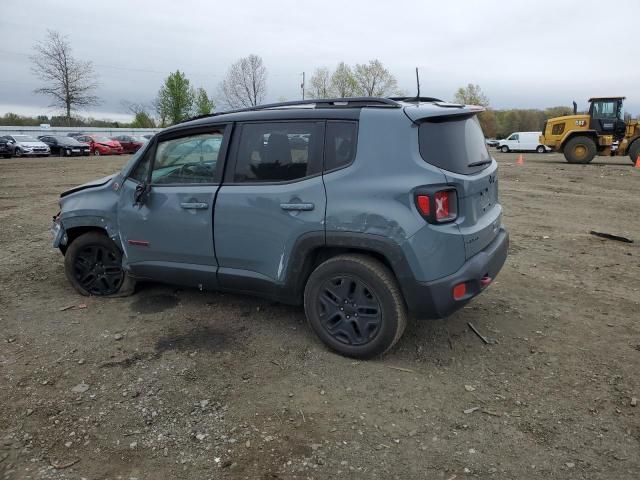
{"x":522,"y":142}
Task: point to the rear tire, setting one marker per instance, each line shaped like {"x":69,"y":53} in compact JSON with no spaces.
{"x":541,"y":149}
{"x":634,"y":151}
{"x":504,"y":149}
{"x":93,"y":265}
{"x":354,"y":305}
{"x":580,"y":150}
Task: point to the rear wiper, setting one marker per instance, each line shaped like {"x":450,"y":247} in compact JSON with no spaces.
{"x":480,"y":163}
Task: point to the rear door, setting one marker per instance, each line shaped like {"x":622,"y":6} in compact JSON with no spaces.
{"x":169,"y":233}
{"x":272,"y":196}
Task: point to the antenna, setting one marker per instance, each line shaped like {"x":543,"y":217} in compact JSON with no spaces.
{"x":418,"y":82}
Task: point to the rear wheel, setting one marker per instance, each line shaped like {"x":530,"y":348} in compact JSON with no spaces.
{"x":355,"y":306}
{"x":93,"y":265}
{"x":540,"y":149}
{"x":504,"y":149}
{"x":634,"y":151}
{"x":580,"y":150}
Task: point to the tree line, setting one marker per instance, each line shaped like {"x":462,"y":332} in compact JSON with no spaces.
{"x":71,"y":83}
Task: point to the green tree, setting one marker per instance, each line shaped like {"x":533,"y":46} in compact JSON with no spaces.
{"x":343,"y":83}
{"x":142,"y":120}
{"x":374,"y":80}
{"x":175,"y":98}
{"x":203,"y":104}
{"x":471,"y":95}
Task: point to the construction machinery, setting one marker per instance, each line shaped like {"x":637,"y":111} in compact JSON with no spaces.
{"x":602,"y":131}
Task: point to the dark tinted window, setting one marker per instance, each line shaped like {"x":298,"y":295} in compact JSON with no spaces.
{"x":278,"y":151}
{"x":340,"y":144}
{"x":454,"y":144}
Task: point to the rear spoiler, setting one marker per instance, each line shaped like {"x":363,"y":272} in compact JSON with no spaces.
{"x":431,"y":111}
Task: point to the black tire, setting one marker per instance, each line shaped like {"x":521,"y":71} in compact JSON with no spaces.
{"x":96,"y":152}
{"x":17,"y":153}
{"x":634,"y":151}
{"x":504,"y":149}
{"x":541,"y":149}
{"x":93,"y":265}
{"x":580,"y":150}
{"x":7,"y":156}
{"x":330,"y":298}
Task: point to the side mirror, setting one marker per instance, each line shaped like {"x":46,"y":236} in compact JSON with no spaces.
{"x":141,"y":194}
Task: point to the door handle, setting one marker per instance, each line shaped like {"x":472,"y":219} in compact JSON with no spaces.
{"x":194,"y":205}
{"x":297,"y":206}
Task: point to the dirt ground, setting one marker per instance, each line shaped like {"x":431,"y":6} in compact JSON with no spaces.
{"x":175,"y":383}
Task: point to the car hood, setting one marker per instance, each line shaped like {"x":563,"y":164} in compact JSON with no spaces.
{"x":94,"y":183}
{"x":32,"y":144}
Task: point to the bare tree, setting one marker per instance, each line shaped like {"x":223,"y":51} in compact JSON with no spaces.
{"x":373,"y":80}
{"x":245,"y":84}
{"x":320,"y":84}
{"x":69,"y":82}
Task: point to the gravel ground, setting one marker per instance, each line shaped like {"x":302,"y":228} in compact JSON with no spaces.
{"x":175,"y":383}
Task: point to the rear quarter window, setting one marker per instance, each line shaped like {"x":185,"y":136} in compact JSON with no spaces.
{"x":454,"y":144}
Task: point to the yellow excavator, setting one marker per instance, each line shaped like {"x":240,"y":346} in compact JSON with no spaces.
{"x":602,"y":131}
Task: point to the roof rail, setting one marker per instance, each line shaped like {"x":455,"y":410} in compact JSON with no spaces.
{"x":415,"y":99}
{"x":347,"y":102}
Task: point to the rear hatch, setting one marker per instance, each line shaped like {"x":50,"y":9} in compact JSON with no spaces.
{"x":453,"y":141}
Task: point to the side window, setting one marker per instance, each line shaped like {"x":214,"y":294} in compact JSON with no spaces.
{"x":515,"y":137}
{"x":278,"y":151}
{"x":340,"y":144}
{"x":191,"y":159}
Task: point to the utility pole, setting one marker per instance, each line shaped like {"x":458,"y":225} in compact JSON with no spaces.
{"x":302,"y":86}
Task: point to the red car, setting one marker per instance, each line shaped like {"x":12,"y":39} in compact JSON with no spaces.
{"x":130,"y":143}
{"x":100,"y":145}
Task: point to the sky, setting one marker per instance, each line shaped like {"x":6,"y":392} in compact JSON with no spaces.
{"x":523,"y":54}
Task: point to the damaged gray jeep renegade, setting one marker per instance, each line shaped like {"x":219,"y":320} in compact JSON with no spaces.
{"x":364,"y":210}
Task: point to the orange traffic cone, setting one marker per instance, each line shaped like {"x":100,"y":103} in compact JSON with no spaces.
{"x":520,"y":159}
{"x":638,"y":162}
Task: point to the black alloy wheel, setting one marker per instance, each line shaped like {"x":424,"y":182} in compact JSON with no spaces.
{"x":349,"y":310}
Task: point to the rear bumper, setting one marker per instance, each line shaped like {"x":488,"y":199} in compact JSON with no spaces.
{"x":435,"y":299}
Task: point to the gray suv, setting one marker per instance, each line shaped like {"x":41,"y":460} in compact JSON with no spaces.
{"x":364,"y":210}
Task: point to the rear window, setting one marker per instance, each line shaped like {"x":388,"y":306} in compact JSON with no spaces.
{"x":454,"y":144}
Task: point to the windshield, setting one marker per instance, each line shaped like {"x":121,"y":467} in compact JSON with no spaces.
{"x":67,"y":140}
{"x":102,"y":139}
{"x":139,"y":139}
{"x":25,"y":138}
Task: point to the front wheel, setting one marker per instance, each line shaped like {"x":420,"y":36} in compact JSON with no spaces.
{"x":580,"y":150}
{"x":354,"y":304}
{"x":93,"y":265}
{"x":96,"y":153}
{"x":540,"y":149}
{"x":17,"y":153}
{"x":504,"y":149}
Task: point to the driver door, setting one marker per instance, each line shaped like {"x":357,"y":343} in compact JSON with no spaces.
{"x":168,"y":234}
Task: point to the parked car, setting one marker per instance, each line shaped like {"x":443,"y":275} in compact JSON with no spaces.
{"x":66,"y":146}
{"x":333,"y":225}
{"x":130,"y":143}
{"x":100,"y":145}
{"x":522,"y":142}
{"x":492,"y":142}
{"x":27,"y":145}
{"x":6,"y":149}
{"x":148,"y":136}
{"x":75,"y":134}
